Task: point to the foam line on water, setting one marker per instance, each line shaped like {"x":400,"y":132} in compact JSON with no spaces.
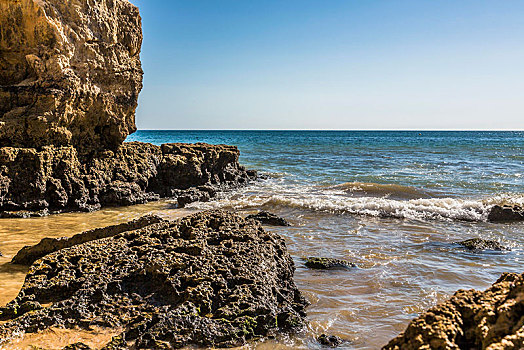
{"x":272,"y":194}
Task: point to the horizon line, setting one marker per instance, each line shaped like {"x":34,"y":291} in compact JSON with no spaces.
{"x":419,"y":130}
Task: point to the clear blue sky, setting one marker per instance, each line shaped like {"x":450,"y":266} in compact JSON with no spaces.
{"x":332,"y":64}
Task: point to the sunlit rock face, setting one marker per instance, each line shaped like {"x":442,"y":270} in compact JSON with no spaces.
{"x":491,"y":320}
{"x":70,"y":72}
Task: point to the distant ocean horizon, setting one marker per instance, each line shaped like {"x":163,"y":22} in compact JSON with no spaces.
{"x":393,"y":202}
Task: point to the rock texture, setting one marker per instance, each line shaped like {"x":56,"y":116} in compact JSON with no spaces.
{"x":210,"y":279}
{"x":471,"y":319}
{"x":70,"y":73}
{"x":327,"y":263}
{"x":60,"y":179}
{"x":506,"y":214}
{"x":29,"y":254}
{"x":267,"y":218}
{"x":481,"y":244}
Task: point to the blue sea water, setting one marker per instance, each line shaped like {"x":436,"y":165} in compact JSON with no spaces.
{"x":456,"y":163}
{"x":395,"y":203}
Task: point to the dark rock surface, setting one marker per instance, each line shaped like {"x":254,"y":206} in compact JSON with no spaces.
{"x":506,"y":214}
{"x":481,"y":244}
{"x":60,"y":179}
{"x":327,"y":263}
{"x":70,"y":74}
{"x":493,"y":319}
{"x":210,"y":279}
{"x":267,"y":218}
{"x":29,"y":254}
{"x":330,"y":340}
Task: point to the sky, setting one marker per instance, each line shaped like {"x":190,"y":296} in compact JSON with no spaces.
{"x":332,"y":64}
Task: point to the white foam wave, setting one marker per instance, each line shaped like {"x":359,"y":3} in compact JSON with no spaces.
{"x":329,"y":201}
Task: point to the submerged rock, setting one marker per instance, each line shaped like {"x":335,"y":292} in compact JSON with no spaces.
{"x":506,"y":214}
{"x":69,"y":74}
{"x":330,"y":340}
{"x":267,"y":218}
{"x":60,"y":179}
{"x":493,"y":319}
{"x":327,"y":263}
{"x":210,"y":279}
{"x":29,"y":254}
{"x":481,"y":244}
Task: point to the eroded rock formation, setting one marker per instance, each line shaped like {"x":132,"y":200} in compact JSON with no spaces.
{"x":267,"y":218}
{"x":29,"y":254}
{"x":60,"y":179}
{"x":471,"y":319}
{"x":210,"y":279}
{"x":70,"y":73}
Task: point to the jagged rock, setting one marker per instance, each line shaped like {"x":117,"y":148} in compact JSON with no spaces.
{"x":330,"y":340}
{"x":481,"y":244}
{"x":77,"y":346}
{"x":493,"y":319}
{"x":70,"y":74}
{"x":506,"y":214}
{"x":267,"y":218}
{"x":29,"y":254}
{"x":60,"y":179}
{"x":327,"y":263}
{"x":212,"y":279}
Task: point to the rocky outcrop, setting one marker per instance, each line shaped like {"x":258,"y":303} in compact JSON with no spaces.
{"x":471,"y":319}
{"x":29,"y":254}
{"x":331,"y":341}
{"x":267,"y":218}
{"x":210,"y":279}
{"x":70,"y":74}
{"x":60,"y":179}
{"x":327,"y":263}
{"x":481,"y":244}
{"x":506,"y":214}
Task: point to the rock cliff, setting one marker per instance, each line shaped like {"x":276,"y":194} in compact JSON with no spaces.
{"x":211,"y":279}
{"x":57,"y":179}
{"x":471,"y":319}
{"x":70,"y":72}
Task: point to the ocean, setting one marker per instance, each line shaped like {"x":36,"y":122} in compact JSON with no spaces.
{"x":392,"y":202}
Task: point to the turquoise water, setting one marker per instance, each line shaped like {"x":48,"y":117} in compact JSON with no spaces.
{"x":393,"y":202}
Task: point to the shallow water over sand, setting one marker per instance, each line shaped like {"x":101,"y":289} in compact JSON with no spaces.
{"x":404,"y":266}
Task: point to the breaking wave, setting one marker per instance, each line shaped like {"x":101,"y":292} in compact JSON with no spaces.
{"x":335,"y":199}
{"x":384,"y":190}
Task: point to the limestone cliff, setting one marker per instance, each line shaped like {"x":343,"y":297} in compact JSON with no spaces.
{"x":70,"y":72}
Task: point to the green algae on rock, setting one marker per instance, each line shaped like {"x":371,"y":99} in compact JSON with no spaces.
{"x":29,"y":254}
{"x":209,"y":279}
{"x":327,"y":263}
{"x":481,"y":244}
{"x":493,"y":319}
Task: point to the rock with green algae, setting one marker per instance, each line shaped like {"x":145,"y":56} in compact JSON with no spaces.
{"x":481,"y":244}
{"x":29,"y":254}
{"x":327,"y":263}
{"x":57,"y":179}
{"x":210,"y":279}
{"x":490,"y":320}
